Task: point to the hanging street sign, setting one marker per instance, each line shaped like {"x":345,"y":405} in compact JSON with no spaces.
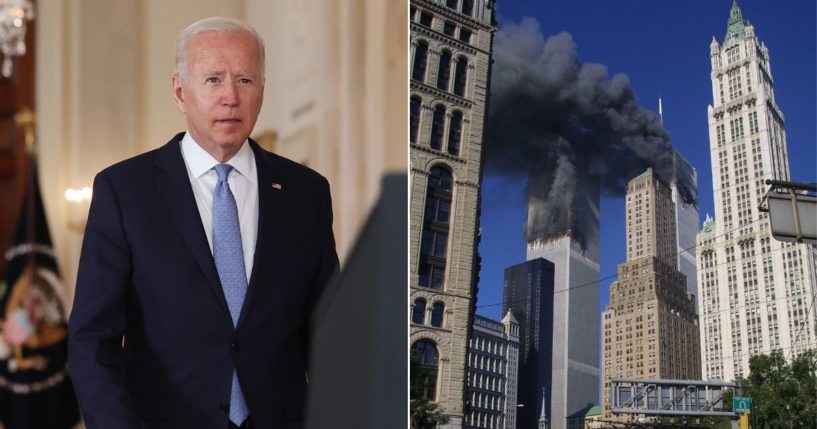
{"x":741,"y":405}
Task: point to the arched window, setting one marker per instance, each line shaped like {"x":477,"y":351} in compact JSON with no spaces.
{"x":440,"y":178}
{"x":460,"y":76}
{"x":414,"y":118}
{"x":434,"y":239}
{"x":455,"y":133}
{"x":418,"y":312}
{"x":418,"y":70}
{"x":468,"y":7}
{"x":424,"y":370}
{"x":444,"y":71}
{"x":437,"y":127}
{"x":437,"y":314}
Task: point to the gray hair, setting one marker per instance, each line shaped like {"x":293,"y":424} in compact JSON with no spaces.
{"x":214,"y":24}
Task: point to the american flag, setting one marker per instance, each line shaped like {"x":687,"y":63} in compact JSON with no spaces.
{"x":17,"y":327}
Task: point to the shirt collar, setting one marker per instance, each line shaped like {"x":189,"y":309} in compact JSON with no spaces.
{"x":200,"y":162}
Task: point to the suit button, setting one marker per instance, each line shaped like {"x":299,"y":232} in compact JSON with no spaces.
{"x":236,"y":346}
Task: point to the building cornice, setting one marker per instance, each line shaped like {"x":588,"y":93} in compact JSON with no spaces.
{"x":440,"y":94}
{"x":436,"y":153}
{"x":418,"y":28}
{"x":441,"y":293}
{"x":454,"y":15}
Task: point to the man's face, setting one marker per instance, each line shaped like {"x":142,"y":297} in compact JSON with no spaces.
{"x":222,"y":93}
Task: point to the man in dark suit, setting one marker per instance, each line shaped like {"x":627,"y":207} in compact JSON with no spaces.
{"x":202,"y":261}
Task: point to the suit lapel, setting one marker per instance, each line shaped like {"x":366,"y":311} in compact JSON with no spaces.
{"x":272,"y":188}
{"x":174,"y":186}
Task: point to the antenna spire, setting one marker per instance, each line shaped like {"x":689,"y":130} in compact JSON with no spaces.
{"x":660,"y":111}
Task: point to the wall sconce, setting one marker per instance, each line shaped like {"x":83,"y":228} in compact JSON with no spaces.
{"x":79,"y":201}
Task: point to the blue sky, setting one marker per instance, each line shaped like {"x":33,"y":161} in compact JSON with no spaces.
{"x":663,"y":47}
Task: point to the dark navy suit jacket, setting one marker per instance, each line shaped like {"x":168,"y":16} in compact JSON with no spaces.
{"x":151,"y":342}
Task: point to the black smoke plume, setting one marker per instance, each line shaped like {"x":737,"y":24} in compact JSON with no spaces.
{"x":563,"y":124}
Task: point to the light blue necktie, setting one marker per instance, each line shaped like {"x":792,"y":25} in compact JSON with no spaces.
{"x":229,"y":256}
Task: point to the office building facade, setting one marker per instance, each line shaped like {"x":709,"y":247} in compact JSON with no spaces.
{"x":493,"y":368}
{"x":649,"y":327}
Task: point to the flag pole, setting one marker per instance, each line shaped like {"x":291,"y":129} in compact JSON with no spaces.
{"x":25,"y":119}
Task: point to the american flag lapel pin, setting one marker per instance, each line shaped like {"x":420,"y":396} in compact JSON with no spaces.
{"x":276,"y":186}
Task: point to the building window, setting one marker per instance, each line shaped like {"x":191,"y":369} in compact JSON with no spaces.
{"x":418,"y":70}
{"x":431,"y":275}
{"x":424,"y":370}
{"x":437,"y":314}
{"x":753,"y":124}
{"x":414,"y":118}
{"x":455,"y":133}
{"x":748,"y":80}
{"x":444,"y":71}
{"x":733,"y":54}
{"x":426,"y":18}
{"x":735,"y":86}
{"x":448,"y":28}
{"x":418,"y":311}
{"x":465,"y":35}
{"x":437,"y":127}
{"x":460,"y":76}
{"x":740,"y":127}
{"x":437,"y":209}
{"x":451,"y":4}
{"x":721,"y":132}
{"x":434,"y":238}
{"x":440,"y":178}
{"x":468,"y":7}
{"x":434,"y":243}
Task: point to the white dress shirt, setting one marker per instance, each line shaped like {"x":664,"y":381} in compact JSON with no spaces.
{"x":243,"y":181}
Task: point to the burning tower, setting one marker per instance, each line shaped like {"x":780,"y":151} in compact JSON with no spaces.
{"x":569,"y":239}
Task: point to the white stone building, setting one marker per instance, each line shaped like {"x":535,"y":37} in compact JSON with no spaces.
{"x":755,"y":291}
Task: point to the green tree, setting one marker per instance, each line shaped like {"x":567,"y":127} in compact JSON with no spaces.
{"x":783,"y":395}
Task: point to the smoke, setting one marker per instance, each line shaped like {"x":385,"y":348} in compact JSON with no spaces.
{"x":567,"y":128}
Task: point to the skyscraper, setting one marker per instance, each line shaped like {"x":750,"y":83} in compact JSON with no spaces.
{"x":650,"y":329}
{"x":686,"y":223}
{"x":755,"y":292}
{"x":575,"y":255}
{"x":528,"y":293}
{"x":450,"y":65}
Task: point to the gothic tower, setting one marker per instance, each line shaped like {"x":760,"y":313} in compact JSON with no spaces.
{"x":755,"y":291}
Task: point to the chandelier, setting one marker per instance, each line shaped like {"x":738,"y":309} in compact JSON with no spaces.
{"x":13,"y":17}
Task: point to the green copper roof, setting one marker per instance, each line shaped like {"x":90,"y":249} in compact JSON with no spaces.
{"x":709,"y":224}
{"x":736,"y":25}
{"x":595,"y":411}
{"x":588,"y":411}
